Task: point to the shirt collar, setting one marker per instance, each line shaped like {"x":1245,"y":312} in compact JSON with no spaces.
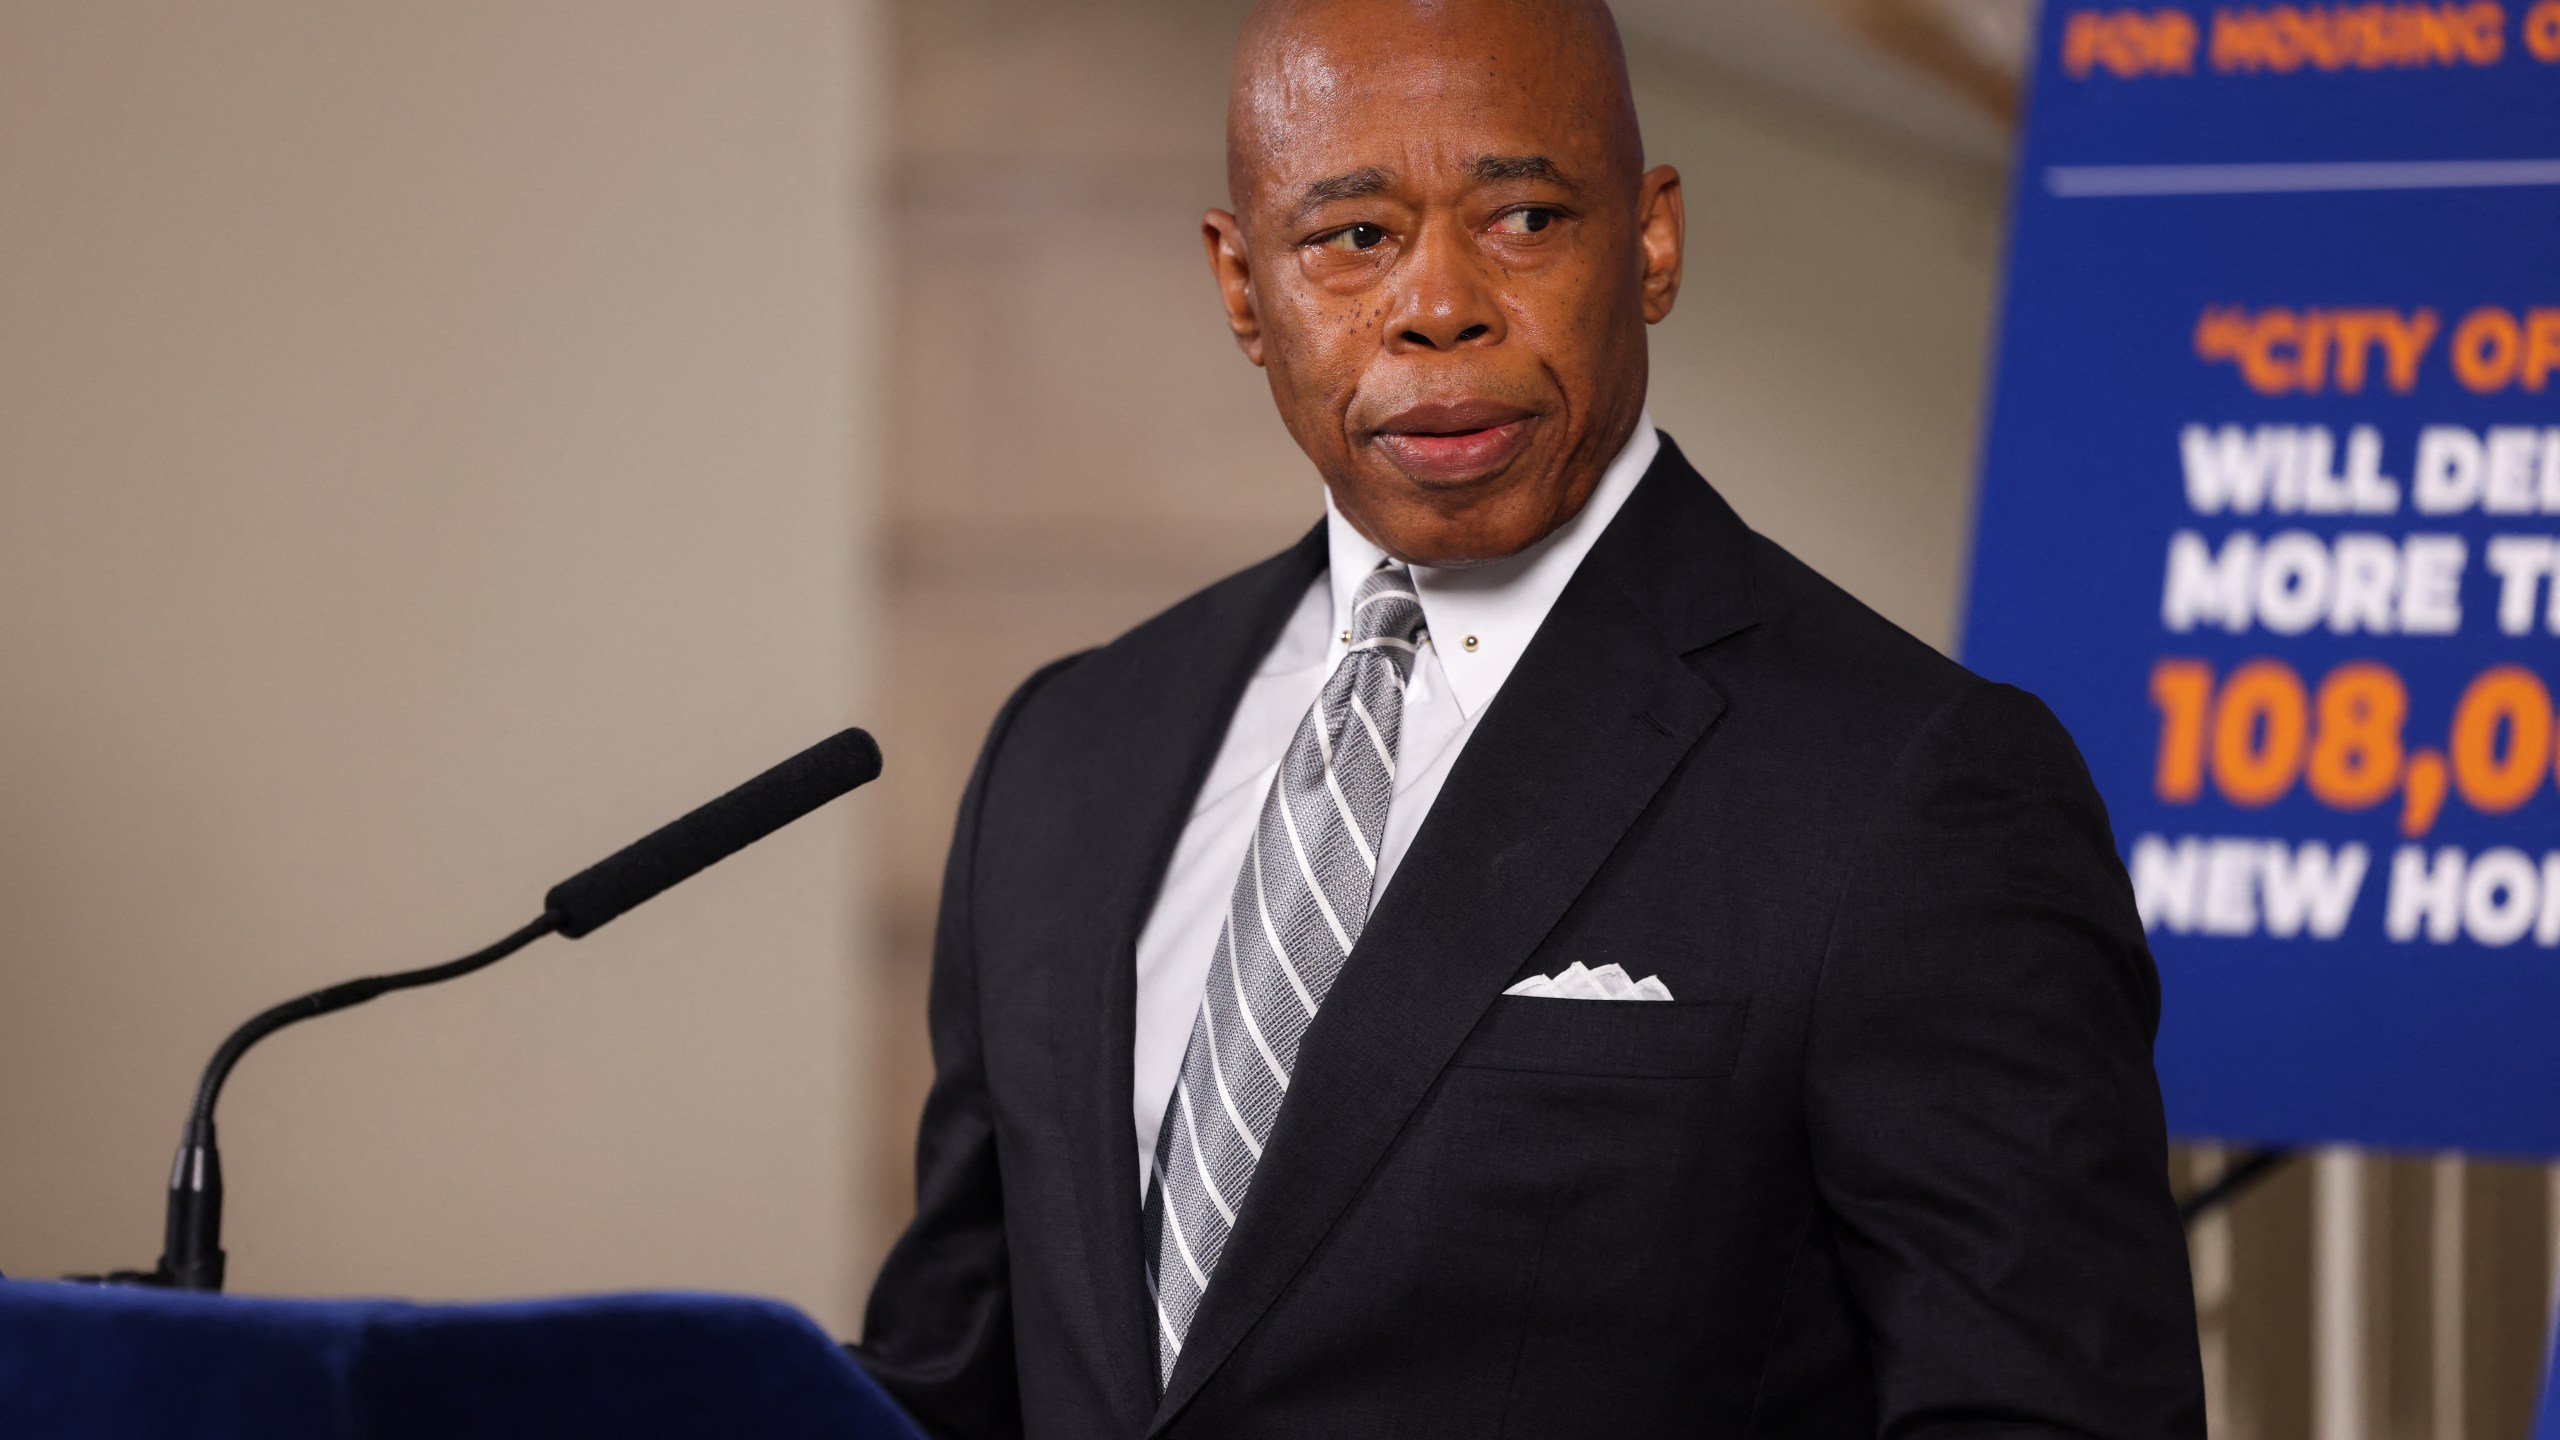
{"x":1482,"y":617}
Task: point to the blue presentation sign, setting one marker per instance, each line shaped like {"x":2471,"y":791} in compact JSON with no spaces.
{"x":2548,"y":1427}
{"x":2271,"y":518}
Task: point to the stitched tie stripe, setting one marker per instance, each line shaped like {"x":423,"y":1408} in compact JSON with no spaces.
{"x":1300,"y":902}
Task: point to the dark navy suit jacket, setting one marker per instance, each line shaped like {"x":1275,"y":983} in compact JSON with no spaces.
{"x":1891,"y":1164}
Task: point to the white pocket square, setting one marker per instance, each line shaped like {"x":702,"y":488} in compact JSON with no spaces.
{"x":1606,"y":983}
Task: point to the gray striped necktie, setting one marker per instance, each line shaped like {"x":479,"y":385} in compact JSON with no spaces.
{"x":1299,"y":905}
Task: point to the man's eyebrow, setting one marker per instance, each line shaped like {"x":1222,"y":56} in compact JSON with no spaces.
{"x":1351,"y":186}
{"x":1489,"y":169}
{"x":1493,"y":169}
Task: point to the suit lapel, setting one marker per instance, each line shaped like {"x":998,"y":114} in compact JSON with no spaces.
{"x":1168,"y":690}
{"x":1596,"y":717}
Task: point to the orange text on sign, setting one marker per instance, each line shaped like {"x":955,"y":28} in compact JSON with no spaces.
{"x":2129,"y":43}
{"x":2542,"y":32}
{"x":2258,"y":732}
{"x":2279,"y":350}
{"x":2283,"y":39}
{"x":2495,"y":349}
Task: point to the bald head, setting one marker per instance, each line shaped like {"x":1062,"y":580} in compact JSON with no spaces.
{"x":1297,"y":58}
{"x":1444,"y":252}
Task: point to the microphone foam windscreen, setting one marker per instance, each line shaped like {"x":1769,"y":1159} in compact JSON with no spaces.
{"x":712,"y":833}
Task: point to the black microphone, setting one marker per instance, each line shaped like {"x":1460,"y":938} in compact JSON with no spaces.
{"x":713,"y":833}
{"x":191,"y":1257}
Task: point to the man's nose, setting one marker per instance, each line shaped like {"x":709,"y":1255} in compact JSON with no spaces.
{"x":1448,"y":298}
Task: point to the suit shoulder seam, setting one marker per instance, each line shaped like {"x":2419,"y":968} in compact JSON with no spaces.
{"x":1955,"y":700}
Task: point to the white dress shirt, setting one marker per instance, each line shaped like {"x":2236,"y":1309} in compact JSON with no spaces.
{"x":1480,"y":619}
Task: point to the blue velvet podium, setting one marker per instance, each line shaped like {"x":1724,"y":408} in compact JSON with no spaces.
{"x":79,"y":1362}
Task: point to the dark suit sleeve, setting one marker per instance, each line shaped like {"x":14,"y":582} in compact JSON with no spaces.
{"x":1985,"y":1121}
{"x":938,"y":1334}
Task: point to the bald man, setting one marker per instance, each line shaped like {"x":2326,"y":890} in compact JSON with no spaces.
{"x":1532,"y":959}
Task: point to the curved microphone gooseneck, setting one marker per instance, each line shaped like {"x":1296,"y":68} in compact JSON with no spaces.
{"x":192,"y":1258}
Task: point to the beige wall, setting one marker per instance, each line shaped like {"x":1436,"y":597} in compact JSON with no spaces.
{"x":428,"y":459}
{"x":1825,"y":365}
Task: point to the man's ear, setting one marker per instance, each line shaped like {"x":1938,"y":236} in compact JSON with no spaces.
{"x":1662,"y":226}
{"x":1225,"y":240}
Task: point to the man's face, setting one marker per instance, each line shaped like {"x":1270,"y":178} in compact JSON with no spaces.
{"x":1445,"y":258}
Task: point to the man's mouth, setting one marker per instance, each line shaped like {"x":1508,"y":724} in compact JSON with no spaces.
{"x":1455,"y":441}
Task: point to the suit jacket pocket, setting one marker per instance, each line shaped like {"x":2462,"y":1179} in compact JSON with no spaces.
{"x":1634,"y":1038}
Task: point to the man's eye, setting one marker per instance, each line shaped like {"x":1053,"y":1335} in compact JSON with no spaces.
{"x":1528,"y":221}
{"x":1355,"y":237}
